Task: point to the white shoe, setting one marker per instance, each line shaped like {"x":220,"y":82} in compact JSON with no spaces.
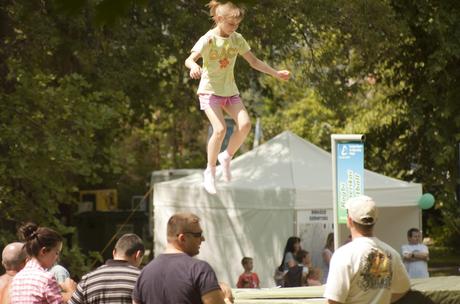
{"x":225,"y":164}
{"x":209,"y":181}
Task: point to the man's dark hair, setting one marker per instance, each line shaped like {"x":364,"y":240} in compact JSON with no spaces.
{"x":129,"y":244}
{"x":180,"y":223}
{"x":411,"y":231}
{"x":245,"y":260}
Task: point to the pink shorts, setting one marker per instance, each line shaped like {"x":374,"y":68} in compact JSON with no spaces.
{"x":211,"y":100}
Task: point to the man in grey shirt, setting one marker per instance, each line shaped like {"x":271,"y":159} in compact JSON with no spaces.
{"x":176,"y":277}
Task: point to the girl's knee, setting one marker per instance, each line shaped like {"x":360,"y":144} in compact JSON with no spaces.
{"x":245,"y":126}
{"x":219,"y":132}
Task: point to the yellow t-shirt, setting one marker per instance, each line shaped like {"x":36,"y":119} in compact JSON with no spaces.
{"x":219,"y":56}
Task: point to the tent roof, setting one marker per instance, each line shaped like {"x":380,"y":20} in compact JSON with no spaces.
{"x":298,"y":171}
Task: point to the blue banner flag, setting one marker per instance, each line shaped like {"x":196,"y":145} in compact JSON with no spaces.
{"x":350,"y":175}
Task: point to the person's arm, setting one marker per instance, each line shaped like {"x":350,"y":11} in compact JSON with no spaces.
{"x":213,"y":297}
{"x":407,"y":257}
{"x":190,"y":62}
{"x":420,"y":255}
{"x":292,"y":263}
{"x":240,"y":284}
{"x":415,"y":256}
{"x":401,"y":283}
{"x":327,"y":256}
{"x":340,"y":276}
{"x":68,"y":288}
{"x":406,"y":253}
{"x":261,"y":66}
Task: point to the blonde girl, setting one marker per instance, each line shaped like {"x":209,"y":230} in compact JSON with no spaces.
{"x":217,"y":90}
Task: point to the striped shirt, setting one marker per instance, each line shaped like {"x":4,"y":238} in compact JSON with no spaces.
{"x":34,"y":285}
{"x":111,"y":283}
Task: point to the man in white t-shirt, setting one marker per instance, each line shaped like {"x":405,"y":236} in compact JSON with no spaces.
{"x":415,"y":255}
{"x":365,"y":270}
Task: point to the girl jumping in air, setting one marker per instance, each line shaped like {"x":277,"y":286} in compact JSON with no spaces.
{"x":217,"y":91}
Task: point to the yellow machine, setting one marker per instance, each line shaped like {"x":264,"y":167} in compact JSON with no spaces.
{"x":101,"y":200}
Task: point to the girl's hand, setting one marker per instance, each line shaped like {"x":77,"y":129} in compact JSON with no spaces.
{"x":195,"y":72}
{"x":283,"y":74}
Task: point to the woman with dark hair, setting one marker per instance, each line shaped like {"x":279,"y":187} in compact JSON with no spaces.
{"x":290,"y":250}
{"x":327,"y":255}
{"x":34,"y":284}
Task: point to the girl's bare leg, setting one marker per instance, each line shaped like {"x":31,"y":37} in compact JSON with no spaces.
{"x":240,"y":132}
{"x":217,"y":120}
{"x":242,"y":126}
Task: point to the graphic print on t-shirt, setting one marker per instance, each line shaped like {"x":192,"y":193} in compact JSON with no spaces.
{"x":222,"y":52}
{"x":375,"y":270}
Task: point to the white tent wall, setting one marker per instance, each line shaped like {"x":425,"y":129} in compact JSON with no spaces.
{"x":394,"y":222}
{"x":256,"y":213}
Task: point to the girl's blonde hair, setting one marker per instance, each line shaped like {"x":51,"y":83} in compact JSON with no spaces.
{"x":227,"y":10}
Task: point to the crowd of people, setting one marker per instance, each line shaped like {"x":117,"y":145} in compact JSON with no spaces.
{"x":173,"y":277}
{"x":363,"y":269}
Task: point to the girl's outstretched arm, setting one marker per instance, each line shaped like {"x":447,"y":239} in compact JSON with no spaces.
{"x":261,"y":66}
{"x":190,"y":62}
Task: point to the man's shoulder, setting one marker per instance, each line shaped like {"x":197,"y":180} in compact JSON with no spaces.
{"x":387,"y":248}
{"x":109,"y":270}
{"x":348,"y":247}
{"x":361,"y":244}
{"x":176,"y":259}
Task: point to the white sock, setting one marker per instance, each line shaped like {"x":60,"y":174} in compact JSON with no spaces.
{"x":226,"y":155}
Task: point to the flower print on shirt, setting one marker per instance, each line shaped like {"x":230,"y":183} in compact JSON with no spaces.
{"x":222,"y":53}
{"x":223,"y":63}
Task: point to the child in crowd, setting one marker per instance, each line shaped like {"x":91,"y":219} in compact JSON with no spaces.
{"x":248,"y":279}
{"x":227,"y":291}
{"x":314,"y":277}
{"x":304,"y":260}
{"x":217,"y":90}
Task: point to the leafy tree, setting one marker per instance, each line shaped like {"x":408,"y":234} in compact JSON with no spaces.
{"x":95,"y":94}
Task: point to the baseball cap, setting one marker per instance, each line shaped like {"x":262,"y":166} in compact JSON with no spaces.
{"x":362,"y":210}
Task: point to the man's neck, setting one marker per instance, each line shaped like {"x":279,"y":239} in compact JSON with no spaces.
{"x":357,"y":234}
{"x":170,"y":248}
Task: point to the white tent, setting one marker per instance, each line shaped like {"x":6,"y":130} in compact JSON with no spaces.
{"x":281,"y":188}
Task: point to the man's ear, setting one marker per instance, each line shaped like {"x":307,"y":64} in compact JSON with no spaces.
{"x":181,"y":237}
{"x":139,"y":254}
{"x":349,"y":222}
